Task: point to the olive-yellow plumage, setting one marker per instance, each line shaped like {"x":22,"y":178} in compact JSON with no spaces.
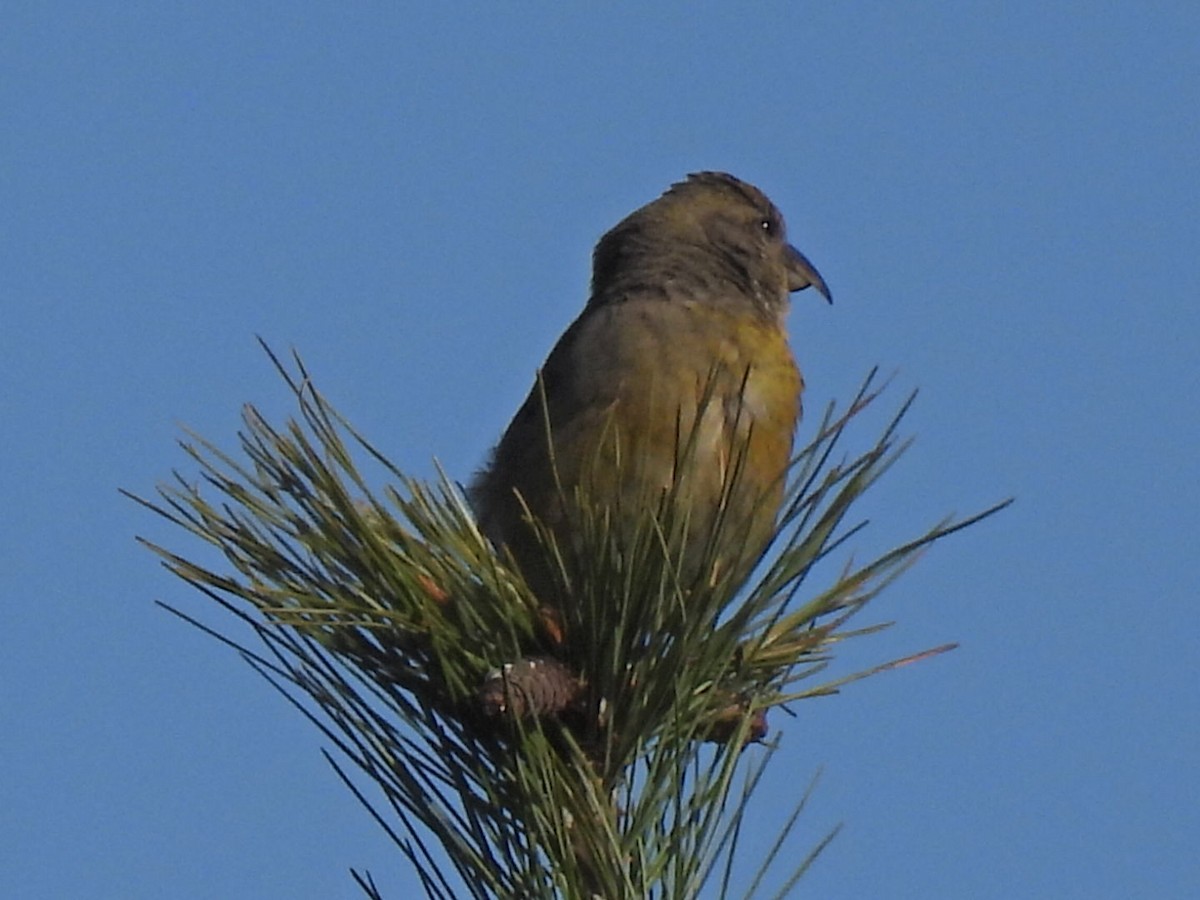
{"x":680,"y":353}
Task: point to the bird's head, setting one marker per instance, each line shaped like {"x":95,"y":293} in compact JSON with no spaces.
{"x":702,"y":235}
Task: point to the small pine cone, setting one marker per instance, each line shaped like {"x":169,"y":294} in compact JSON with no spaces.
{"x":534,"y":686}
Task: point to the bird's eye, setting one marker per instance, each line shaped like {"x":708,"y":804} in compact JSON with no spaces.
{"x":769,"y":226}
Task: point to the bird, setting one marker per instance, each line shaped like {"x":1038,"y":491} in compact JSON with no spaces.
{"x":675,"y":381}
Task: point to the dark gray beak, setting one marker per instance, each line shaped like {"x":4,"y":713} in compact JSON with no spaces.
{"x":801,"y":274}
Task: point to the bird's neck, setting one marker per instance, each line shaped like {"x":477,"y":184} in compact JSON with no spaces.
{"x":681,"y":273}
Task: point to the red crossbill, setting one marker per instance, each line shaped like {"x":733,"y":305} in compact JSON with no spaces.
{"x":681,"y":351}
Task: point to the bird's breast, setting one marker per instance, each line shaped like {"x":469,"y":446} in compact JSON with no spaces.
{"x":692,"y":381}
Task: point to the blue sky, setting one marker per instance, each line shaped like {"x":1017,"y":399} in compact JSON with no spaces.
{"x":1004,"y":198}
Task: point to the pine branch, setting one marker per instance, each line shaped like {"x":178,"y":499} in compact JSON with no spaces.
{"x":590,"y":750}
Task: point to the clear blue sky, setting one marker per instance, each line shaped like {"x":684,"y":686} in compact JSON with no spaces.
{"x":1005,"y":199}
